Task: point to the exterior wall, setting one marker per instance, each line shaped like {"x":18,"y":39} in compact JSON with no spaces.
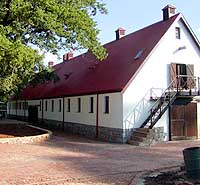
{"x":110,"y":126}
{"x":83,"y":117}
{"x":55,"y":115}
{"x":113,"y":119}
{"x":155,"y":73}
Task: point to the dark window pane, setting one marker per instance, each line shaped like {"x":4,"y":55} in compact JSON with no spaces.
{"x":91,"y":104}
{"x":60,"y":106}
{"x":68,"y":105}
{"x":178,"y":33}
{"x":106,"y":104}
{"x":52,"y":105}
{"x":79,"y":105}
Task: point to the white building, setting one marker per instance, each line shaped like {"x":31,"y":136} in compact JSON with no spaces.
{"x":149,"y":79}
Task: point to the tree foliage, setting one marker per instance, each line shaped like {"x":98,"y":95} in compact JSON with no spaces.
{"x":50,"y":25}
{"x":53,"y":24}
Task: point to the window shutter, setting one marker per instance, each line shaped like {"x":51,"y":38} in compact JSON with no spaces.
{"x":190,"y":73}
{"x":173,"y":74}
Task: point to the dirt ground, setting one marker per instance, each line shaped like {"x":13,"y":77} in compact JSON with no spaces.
{"x":17,"y":130}
{"x":72,"y":160}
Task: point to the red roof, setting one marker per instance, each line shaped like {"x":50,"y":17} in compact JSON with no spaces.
{"x":84,"y":75}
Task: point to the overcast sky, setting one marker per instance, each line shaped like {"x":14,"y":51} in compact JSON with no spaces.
{"x":133,"y":15}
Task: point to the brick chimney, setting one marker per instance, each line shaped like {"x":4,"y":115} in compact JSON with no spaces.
{"x":168,"y":11}
{"x":120,"y":32}
{"x":67,"y":56}
{"x":50,"y":63}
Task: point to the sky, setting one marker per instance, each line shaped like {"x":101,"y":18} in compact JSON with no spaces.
{"x":133,"y":15}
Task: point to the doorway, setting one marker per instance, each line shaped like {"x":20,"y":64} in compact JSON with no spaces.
{"x":183,"y":121}
{"x":33,"y":114}
{"x":182,"y":76}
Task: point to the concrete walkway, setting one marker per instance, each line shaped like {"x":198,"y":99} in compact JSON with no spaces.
{"x":71,"y":160}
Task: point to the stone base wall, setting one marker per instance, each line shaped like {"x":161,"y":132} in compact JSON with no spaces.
{"x":115,"y":135}
{"x":21,"y":118}
{"x":159,"y":134}
{"x":112,"y":135}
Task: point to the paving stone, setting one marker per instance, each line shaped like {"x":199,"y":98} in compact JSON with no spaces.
{"x":68,"y":159}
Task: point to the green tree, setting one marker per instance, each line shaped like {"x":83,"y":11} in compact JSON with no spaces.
{"x":50,"y":25}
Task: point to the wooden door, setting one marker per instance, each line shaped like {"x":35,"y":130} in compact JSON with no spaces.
{"x":178,"y":122}
{"x":184,"y":121}
{"x":191,"y":120}
{"x":173,"y":74}
{"x":190,"y":73}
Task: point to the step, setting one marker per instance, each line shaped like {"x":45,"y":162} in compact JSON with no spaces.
{"x":138,"y":138}
{"x":137,"y":143}
{"x":142,"y":130}
{"x":139,"y":134}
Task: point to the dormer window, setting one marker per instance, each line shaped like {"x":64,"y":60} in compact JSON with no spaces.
{"x":138,"y":54}
{"x":178,"y":33}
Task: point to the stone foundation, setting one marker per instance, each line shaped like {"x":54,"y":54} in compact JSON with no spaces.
{"x":158,"y":134}
{"x":114,"y":135}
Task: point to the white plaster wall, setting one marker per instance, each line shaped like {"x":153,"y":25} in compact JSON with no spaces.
{"x":83,"y":117}
{"x":20,"y":112}
{"x":156,"y":71}
{"x":12,"y":110}
{"x":115,"y":117}
{"x":40,"y":109}
{"x":55,"y":115}
{"x":164,"y":122}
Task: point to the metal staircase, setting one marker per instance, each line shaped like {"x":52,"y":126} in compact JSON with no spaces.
{"x":159,"y":108}
{"x":156,"y":111}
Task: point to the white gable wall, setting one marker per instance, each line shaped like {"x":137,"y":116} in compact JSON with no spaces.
{"x":156,"y":71}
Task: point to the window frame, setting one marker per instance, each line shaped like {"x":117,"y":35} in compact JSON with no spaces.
{"x":178,"y":33}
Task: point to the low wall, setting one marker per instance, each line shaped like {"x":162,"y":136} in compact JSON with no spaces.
{"x":28,"y":139}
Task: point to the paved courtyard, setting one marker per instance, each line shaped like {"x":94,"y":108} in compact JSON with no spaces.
{"x":71,"y":160}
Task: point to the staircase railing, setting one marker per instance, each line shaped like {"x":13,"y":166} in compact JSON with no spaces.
{"x":182,"y":84}
{"x":142,"y":107}
{"x":185,"y":83}
{"x":160,"y":106}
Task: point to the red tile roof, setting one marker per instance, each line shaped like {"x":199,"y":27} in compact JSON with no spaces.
{"x":85,"y":75}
